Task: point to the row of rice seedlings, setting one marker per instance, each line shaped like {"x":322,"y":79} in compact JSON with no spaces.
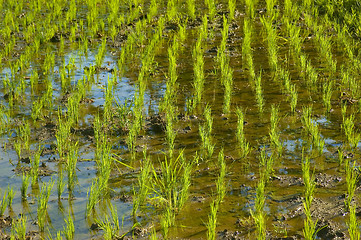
{"x":309,"y":229}
{"x":244,"y":145}
{"x":220,"y":194}
{"x":312,"y":130}
{"x":205,"y":132}
{"x":226,"y":70}
{"x":43,"y":199}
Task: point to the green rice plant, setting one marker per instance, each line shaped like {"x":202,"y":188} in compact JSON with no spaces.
{"x":351,"y":181}
{"x":72,"y":159}
{"x":63,"y":135}
{"x":24,"y":185}
{"x":109,"y":97}
{"x":258,"y":214}
{"x":340,"y":156}
{"x":93,"y":196}
{"x":246,"y":48}
{"x":171,"y":9}
{"x":198,"y":67}
{"x":309,"y":230}
{"x":110,"y":227}
{"x":232,"y":9}
{"x":352,"y":136}
{"x":99,"y":58}
{"x":68,"y":229}
{"x":266,"y":165}
{"x":73,"y":108}
{"x":212,"y":220}
{"x":211,"y":5}
{"x":242,"y":142}
{"x":141,"y":193}
{"x":353,"y":225}
{"x":3,"y":204}
{"x":169,"y":185}
{"x":271,"y":40}
{"x":274,"y":130}
{"x":23,"y":140}
{"x":35,"y":161}
{"x":205,"y":132}
{"x":11,"y":194}
{"x":327,"y":94}
{"x":43,"y":199}
{"x":312,"y":130}
{"x":250,"y":8}
{"x":191,"y":9}
{"x":18,"y":228}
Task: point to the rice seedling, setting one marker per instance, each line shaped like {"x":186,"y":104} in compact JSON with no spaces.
{"x":271,"y":41}
{"x":35,"y":161}
{"x":246,"y":48}
{"x":258,"y":214}
{"x":293,"y":93}
{"x":18,"y":228}
{"x":93,"y":196}
{"x":69,"y":229}
{"x":170,"y":133}
{"x":205,"y":132}
{"x":212,"y":220}
{"x":63,"y":135}
{"x":10,"y":194}
{"x":3,"y":204}
{"x":198,"y":81}
{"x":351,"y":180}
{"x":309,"y":229}
{"x":250,"y":6}
{"x":141,"y":193}
{"x":242,"y":142}
{"x":221,"y":186}
{"x":24,"y":185}
{"x":312,"y":130}
{"x":43,"y":199}
{"x":232,"y":9}
{"x":353,"y":225}
{"x":352,"y":136}
{"x":171,"y":187}
{"x":110,"y":227}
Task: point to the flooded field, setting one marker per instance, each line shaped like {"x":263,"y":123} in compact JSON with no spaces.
{"x":154,"y":119}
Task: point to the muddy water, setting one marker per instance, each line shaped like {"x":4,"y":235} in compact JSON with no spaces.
{"x":284,"y":191}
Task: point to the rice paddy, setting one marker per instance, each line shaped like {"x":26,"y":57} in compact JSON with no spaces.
{"x":148,"y":119}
